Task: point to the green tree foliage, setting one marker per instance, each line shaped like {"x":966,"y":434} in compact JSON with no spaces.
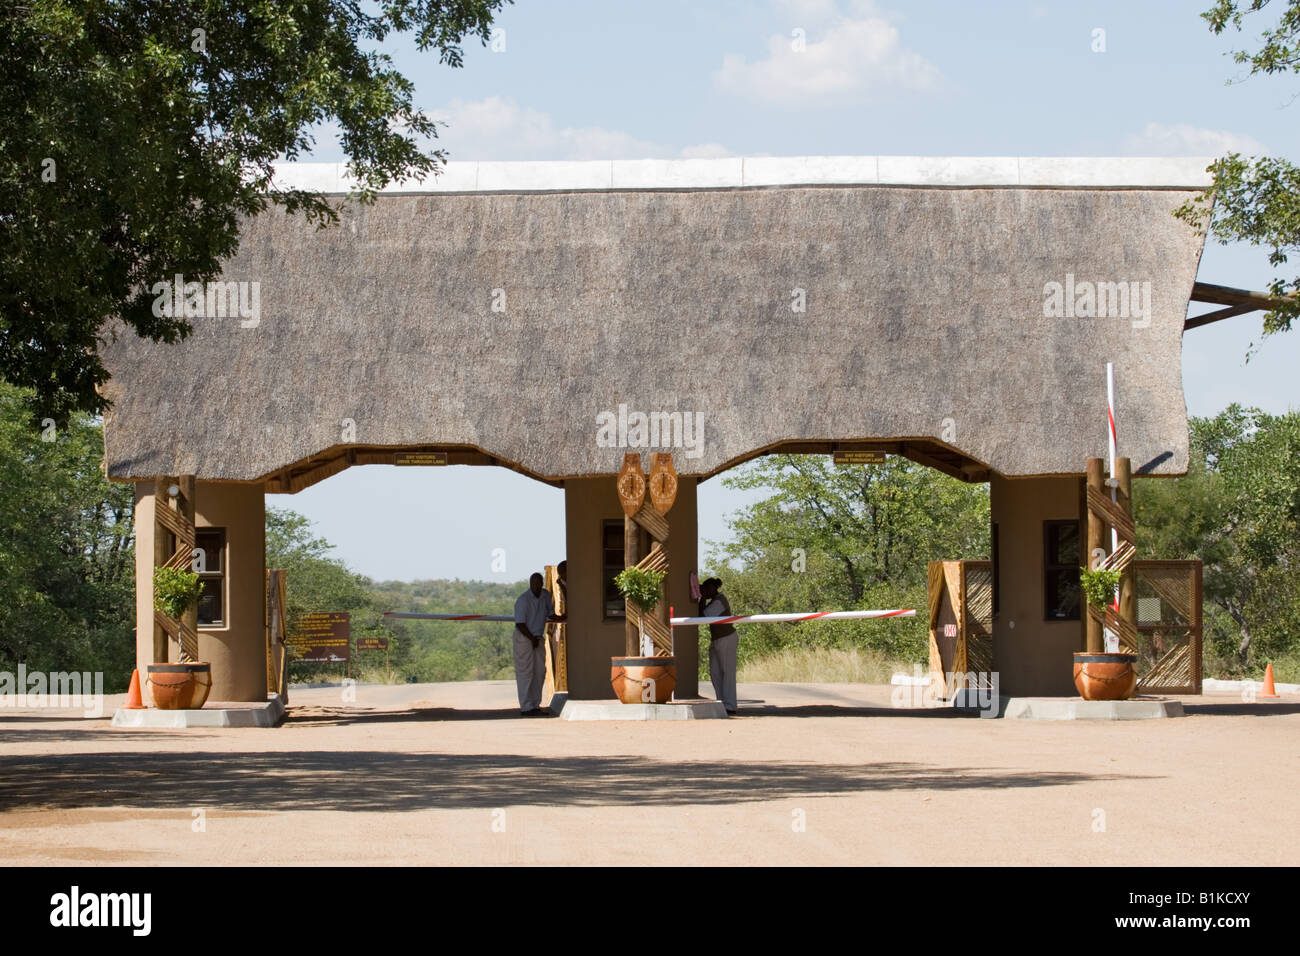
{"x":1238,"y":510}
{"x":840,"y":538}
{"x":446,"y":650}
{"x":134,"y":135}
{"x":1257,"y":200}
{"x":67,"y":571}
{"x":423,"y":651}
{"x":317,"y":583}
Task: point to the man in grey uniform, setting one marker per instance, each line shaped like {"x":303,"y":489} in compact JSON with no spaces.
{"x":723,"y":643}
{"x":532,"y":610}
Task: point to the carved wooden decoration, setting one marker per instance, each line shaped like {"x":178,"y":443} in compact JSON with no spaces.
{"x":648,"y":516}
{"x":631,"y":484}
{"x":663,"y":482}
{"x":1117,"y":516}
{"x":174,"y":548}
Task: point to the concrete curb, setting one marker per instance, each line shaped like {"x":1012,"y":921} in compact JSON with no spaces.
{"x":615,"y":710}
{"x":269,"y":714}
{"x":1073,"y":708}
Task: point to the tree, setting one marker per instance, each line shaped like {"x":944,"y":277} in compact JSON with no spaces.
{"x":1257,"y":200}
{"x":835,"y":537}
{"x":134,"y":135}
{"x":67,"y":565}
{"x":1238,"y":510}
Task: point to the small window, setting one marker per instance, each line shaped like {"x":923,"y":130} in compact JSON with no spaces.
{"x":610,"y":565}
{"x":1061,"y":570}
{"x":212,"y":577}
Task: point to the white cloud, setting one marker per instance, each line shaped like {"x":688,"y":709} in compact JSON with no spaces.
{"x":497,"y":128}
{"x":1182,"y":139}
{"x":857,"y":54}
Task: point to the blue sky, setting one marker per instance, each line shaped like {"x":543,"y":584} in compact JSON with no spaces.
{"x":628,"y":80}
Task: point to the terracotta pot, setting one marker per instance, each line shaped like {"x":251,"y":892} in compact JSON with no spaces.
{"x":179,"y":686}
{"x":1105,"y":676}
{"x":643,"y":680}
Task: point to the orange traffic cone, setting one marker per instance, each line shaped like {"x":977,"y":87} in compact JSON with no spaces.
{"x":133,"y":701}
{"x":1268,"y":690}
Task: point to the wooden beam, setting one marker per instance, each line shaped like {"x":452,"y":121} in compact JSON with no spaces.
{"x":1096,"y":535}
{"x":1128,"y":581}
{"x":1197,"y":321}
{"x":921,"y":458}
{"x":1227,"y":295}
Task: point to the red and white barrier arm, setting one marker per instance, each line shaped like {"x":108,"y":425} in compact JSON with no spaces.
{"x":412,"y":616}
{"x":782,"y":618}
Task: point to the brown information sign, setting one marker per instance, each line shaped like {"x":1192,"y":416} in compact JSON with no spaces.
{"x":420,"y":458}
{"x":323,"y":638}
{"x":859,"y":457}
{"x":372,"y":643}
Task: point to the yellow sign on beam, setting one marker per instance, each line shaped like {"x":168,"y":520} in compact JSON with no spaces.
{"x":859,"y":457}
{"x":420,"y":458}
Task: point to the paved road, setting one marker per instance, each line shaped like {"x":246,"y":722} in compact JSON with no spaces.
{"x":810,"y":774}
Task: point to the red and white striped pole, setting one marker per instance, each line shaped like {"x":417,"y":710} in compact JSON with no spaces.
{"x":793,"y":618}
{"x":412,"y":616}
{"x":1110,"y":416}
{"x":1111,"y":639}
{"x":687,"y":621}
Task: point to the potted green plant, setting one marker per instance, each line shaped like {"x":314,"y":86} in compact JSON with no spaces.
{"x":1103,"y":675}
{"x":185,"y":685}
{"x":648,"y":679}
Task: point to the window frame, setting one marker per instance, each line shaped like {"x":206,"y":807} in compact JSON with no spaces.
{"x":1052,"y":569}
{"x":605,"y":567}
{"x":220,"y":576}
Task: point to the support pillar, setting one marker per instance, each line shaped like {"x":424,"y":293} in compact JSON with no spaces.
{"x":1096,"y":540}
{"x":236,"y":647}
{"x":593,"y":636}
{"x":1033,"y":654}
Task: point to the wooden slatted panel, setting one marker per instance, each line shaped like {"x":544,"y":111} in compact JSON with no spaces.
{"x":977,"y":602}
{"x":1111,"y":513}
{"x":1169,"y":642}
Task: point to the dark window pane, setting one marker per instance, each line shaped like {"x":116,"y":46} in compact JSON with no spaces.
{"x":210,"y":606}
{"x":1066,"y":551}
{"x":1063,"y":596}
{"x":611,"y":565}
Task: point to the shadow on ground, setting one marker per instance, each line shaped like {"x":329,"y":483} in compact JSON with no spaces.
{"x":341,"y":715}
{"x":315,"y":715}
{"x":50,"y":729}
{"x":1257,"y":709}
{"x":387,"y":781}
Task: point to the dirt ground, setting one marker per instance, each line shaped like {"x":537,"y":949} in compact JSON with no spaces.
{"x":808,"y":774}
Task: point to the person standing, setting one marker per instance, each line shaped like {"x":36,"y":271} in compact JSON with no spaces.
{"x":723,"y":644}
{"x":532,"y":610}
{"x":554,"y":622}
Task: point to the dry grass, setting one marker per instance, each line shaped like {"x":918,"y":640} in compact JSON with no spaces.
{"x":822,"y":665}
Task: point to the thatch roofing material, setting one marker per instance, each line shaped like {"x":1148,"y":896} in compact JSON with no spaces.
{"x":924,"y":319}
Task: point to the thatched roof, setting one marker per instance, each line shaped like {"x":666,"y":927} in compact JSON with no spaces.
{"x":669,"y":288}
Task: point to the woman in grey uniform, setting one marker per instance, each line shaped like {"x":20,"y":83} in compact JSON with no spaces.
{"x":723,"y":642}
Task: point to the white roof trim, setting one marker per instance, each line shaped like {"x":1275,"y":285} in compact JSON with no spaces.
{"x":740,"y":172}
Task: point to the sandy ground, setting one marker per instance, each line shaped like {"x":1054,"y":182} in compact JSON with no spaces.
{"x":808,"y":774}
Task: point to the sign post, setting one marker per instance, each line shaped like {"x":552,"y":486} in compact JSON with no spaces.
{"x":858,"y":457}
{"x":374,"y":644}
{"x":324,"y":638}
